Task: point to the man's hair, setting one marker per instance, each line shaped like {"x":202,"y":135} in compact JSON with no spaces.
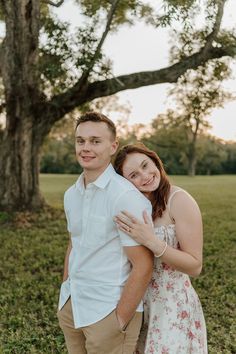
{"x":97,"y":118}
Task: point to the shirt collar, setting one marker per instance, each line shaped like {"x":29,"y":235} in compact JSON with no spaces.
{"x":100,"y":182}
{"x":79,"y":184}
{"x":104,"y":178}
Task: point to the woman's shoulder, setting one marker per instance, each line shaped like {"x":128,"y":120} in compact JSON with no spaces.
{"x":179,"y":197}
{"x":174,"y":190}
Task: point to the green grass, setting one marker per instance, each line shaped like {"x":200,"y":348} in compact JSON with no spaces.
{"x":54,"y":186}
{"x":32,"y":254}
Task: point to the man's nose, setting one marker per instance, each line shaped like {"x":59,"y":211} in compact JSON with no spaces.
{"x":87,"y":145}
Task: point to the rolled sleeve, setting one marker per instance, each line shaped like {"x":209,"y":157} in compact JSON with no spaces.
{"x":135,"y":203}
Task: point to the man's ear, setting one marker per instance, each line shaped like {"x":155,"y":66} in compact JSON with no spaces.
{"x":114,"y":146}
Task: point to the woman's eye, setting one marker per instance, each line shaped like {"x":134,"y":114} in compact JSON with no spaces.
{"x":133,"y":176}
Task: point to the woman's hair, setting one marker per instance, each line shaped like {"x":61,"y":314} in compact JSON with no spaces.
{"x":158,"y":197}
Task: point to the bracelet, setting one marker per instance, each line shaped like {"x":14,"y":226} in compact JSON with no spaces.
{"x":161,"y":254}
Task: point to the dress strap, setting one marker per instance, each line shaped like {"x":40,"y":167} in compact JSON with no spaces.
{"x":170,"y":199}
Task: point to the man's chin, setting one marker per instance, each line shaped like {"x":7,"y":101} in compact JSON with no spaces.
{"x":88,"y":167}
{"x":86,"y":164}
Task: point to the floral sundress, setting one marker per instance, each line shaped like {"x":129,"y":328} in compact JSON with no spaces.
{"x":173,"y":317}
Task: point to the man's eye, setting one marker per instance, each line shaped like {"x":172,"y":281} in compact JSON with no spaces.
{"x":80,"y":142}
{"x":96,"y":141}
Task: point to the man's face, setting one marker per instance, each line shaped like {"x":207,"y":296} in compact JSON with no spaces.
{"x":94,"y":144}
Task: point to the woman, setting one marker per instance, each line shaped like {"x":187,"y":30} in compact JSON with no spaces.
{"x":173,"y":317}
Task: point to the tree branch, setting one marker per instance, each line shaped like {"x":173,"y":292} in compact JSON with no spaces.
{"x":110,"y":15}
{"x":52,"y":3}
{"x":65,"y":102}
{"x":210,"y":38}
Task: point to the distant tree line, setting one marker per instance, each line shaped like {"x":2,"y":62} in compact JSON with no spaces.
{"x":166,"y":136}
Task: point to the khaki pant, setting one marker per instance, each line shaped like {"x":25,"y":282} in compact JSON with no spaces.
{"x":102,"y":337}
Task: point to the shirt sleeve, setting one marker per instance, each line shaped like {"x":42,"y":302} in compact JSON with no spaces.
{"x":67,"y":214}
{"x":135,"y":203}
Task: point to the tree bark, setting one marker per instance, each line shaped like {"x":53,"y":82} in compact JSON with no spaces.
{"x":22,"y":138}
{"x":19,"y":166}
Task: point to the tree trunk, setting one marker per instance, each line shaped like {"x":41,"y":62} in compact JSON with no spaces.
{"x":22,"y":138}
{"x":19,"y":169}
{"x":193,"y":134}
{"x":192,"y":166}
{"x":192,"y":160}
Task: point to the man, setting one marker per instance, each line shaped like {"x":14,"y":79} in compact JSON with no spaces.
{"x":105,"y":272}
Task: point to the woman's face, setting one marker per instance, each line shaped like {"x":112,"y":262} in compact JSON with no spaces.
{"x":142,"y":172}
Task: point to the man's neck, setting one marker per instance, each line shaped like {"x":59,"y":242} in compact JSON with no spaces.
{"x":90,"y":176}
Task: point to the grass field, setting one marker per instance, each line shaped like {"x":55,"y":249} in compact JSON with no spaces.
{"x":32,"y":253}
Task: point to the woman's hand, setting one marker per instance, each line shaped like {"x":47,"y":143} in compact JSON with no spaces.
{"x":141,"y":232}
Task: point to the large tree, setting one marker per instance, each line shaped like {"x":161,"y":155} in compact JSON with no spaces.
{"x":46,"y":73}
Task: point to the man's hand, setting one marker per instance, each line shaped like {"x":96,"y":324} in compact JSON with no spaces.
{"x":120,"y":321}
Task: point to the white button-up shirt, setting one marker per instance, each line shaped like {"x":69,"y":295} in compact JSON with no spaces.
{"x":98,"y":265}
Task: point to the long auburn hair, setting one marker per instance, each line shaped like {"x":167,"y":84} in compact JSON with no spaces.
{"x":159,"y":197}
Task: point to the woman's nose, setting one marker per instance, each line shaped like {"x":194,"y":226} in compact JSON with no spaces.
{"x":144,"y":176}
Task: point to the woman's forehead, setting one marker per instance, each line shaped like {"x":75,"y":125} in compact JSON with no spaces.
{"x":133,"y":161}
